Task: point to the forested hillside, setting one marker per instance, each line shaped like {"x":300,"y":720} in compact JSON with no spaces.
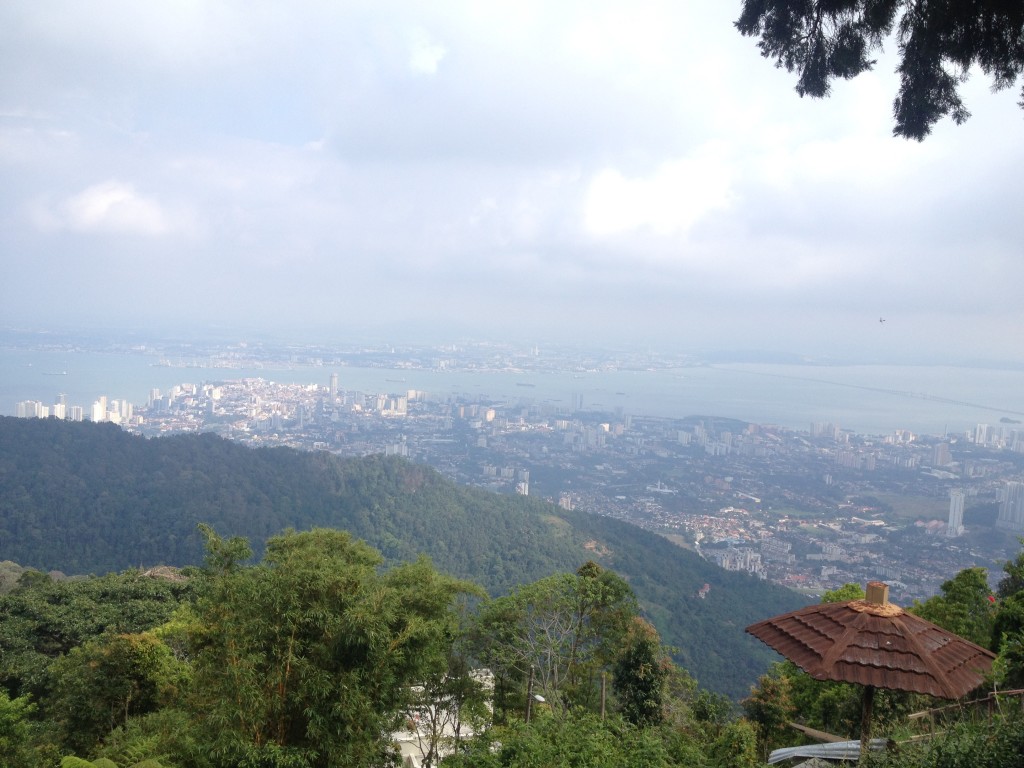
{"x":88,"y":498}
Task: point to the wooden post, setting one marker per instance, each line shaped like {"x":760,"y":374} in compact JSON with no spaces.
{"x":877,"y":593}
{"x":865,"y":719}
{"x":529,"y":695}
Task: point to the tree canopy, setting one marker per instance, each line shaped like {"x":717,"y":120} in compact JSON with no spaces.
{"x":307,"y":658}
{"x":560,"y":630}
{"x":938,"y":42}
{"x":91,"y":498}
{"x":319,"y":655}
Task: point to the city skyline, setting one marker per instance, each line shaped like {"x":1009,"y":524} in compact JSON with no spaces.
{"x":580,"y":173}
{"x":875,"y":399}
{"x":808,"y":509}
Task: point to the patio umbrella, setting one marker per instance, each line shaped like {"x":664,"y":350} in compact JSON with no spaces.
{"x":876,"y":644}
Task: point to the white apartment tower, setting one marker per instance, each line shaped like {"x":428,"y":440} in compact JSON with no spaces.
{"x":99,"y":409}
{"x":28,"y":409}
{"x":955,"y":527}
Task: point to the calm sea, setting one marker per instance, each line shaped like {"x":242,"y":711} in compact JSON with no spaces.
{"x":867,"y":399}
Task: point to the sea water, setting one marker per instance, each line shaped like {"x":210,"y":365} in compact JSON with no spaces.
{"x":869,"y":399}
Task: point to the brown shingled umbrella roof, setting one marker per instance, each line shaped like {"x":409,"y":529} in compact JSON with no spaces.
{"x":876,"y":644}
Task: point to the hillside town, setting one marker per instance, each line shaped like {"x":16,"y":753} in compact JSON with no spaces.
{"x":811,"y":510}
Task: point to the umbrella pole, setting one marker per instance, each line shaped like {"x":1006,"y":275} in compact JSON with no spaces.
{"x":867,"y":702}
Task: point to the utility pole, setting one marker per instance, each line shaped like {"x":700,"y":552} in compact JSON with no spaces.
{"x":529,"y":695}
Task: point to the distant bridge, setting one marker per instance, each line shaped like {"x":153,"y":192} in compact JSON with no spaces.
{"x":883,"y":390}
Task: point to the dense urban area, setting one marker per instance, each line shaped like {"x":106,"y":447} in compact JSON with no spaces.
{"x":811,"y":510}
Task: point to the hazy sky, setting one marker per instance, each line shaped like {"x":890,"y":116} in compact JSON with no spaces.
{"x":591,"y":171}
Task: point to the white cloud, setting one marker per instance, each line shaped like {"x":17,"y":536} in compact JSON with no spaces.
{"x":425,"y":55}
{"x":668,"y":202}
{"x":114,"y":207}
{"x":393,"y":156}
{"x":611,"y":37}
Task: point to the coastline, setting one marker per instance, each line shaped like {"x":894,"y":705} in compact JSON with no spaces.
{"x":870,"y":399}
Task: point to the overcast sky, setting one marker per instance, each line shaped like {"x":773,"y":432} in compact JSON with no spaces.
{"x":595,"y":171}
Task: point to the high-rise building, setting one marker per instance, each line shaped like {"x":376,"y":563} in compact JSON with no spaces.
{"x":27,"y":409}
{"x":824,"y":429}
{"x":1011,"y":508}
{"x":955,"y":527}
{"x":334,"y":386}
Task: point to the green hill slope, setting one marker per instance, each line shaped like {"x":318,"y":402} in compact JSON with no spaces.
{"x":83,"y":498}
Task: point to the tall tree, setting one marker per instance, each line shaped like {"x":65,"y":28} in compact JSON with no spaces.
{"x":308,"y":658}
{"x":577,"y":739}
{"x":938,"y":43}
{"x":641,"y":673}
{"x":770,"y":708}
{"x":100,"y":684}
{"x":1008,"y":627}
{"x":1012,"y":582}
{"x":965,"y":606}
{"x":449,"y":706}
{"x":558,"y":632}
{"x":16,"y":732}
{"x":44,"y":618}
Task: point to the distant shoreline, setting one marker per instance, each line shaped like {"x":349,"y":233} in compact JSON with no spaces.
{"x":932,"y":400}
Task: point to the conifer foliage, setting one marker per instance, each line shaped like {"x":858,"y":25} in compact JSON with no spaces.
{"x":938,"y":42}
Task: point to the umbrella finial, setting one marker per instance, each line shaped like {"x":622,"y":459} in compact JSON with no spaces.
{"x":878,"y":593}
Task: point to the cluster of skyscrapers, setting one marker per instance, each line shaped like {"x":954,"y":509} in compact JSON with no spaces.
{"x":1009,"y":436}
{"x":28,"y":409}
{"x":1011,"y":508}
{"x":115,"y":411}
